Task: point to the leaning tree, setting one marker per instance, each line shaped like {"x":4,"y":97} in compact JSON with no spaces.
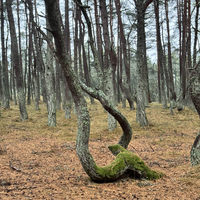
{"x":125,"y":160}
{"x":194,"y":89}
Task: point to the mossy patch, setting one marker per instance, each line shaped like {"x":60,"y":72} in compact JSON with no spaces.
{"x":126,"y":160}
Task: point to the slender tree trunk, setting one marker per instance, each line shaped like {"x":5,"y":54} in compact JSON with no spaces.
{"x":29,"y":79}
{"x":66,"y":93}
{"x":19,"y":29}
{"x":4,"y":69}
{"x":16,"y":64}
{"x":37,"y":63}
{"x":98,"y":35}
{"x":196,"y":33}
{"x":58,"y":92}
{"x":160,"y":54}
{"x":26,"y":52}
{"x":76,"y":40}
{"x":50,"y":84}
{"x":170,"y":71}
{"x":141,"y":65}
{"x":126,"y":85}
{"x":108,"y":74}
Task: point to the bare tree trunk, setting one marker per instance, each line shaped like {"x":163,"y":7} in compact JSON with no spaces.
{"x":16,"y":66}
{"x":126,"y":84}
{"x":76,"y":39}
{"x":4,"y":69}
{"x":37,"y":63}
{"x":170,"y":71}
{"x":19,"y":29}
{"x":141,"y":64}
{"x":58,"y":92}
{"x":160,"y":54}
{"x":196,"y":33}
{"x":108,"y":73}
{"x":98,"y":36}
{"x":50,"y":84}
{"x":66,"y":93}
{"x":29,"y":79}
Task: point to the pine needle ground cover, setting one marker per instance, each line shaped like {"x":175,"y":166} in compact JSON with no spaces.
{"x":40,"y":162}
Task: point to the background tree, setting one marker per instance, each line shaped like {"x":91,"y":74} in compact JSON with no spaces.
{"x":142,"y":73}
{"x":160,"y":55}
{"x":4,"y":68}
{"x":16,"y":64}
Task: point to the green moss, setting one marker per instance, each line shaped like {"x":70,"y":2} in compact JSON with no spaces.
{"x":126,"y":160}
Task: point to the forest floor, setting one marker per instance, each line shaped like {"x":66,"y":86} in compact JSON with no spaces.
{"x":40,"y":162}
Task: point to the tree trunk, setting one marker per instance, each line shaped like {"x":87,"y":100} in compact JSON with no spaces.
{"x":50,"y":84}
{"x":66,"y":94}
{"x":196,"y":33}
{"x":37,"y":63}
{"x":16,"y":66}
{"x":58,"y":92}
{"x":141,"y":48}
{"x":126,"y":84}
{"x":160,"y":54}
{"x":29,"y":79}
{"x":170,"y":71}
{"x":98,"y":36}
{"x":4,"y":69}
{"x":76,"y":40}
{"x":108,"y":73}
{"x":125,"y":159}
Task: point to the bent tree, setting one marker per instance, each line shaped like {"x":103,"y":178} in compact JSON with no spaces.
{"x":194,"y":89}
{"x":125,"y":160}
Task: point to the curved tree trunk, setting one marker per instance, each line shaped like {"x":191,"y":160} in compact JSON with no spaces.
{"x":124,"y":160}
{"x":194,"y":88}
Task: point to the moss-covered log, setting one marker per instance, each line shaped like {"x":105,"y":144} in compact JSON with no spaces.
{"x":125,"y":160}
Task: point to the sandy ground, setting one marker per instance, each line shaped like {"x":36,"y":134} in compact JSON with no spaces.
{"x":40,"y":162}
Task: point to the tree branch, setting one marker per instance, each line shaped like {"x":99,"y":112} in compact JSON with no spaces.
{"x":146,"y":3}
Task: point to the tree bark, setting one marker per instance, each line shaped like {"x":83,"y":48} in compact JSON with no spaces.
{"x":108,"y":70}
{"x":126,"y":85}
{"x":196,"y":32}
{"x":16,"y":66}
{"x":98,"y":36}
{"x":160,"y":54}
{"x":141,"y":65}
{"x":37,"y":63}
{"x":170,"y":71}
{"x":50,"y":84}
{"x":66,"y":94}
{"x":4,"y":70}
{"x":58,"y":92}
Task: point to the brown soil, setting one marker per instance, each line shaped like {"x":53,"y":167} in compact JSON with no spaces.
{"x":40,"y":162}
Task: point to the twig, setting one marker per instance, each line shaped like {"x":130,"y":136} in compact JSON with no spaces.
{"x":13,"y":167}
{"x":152,"y":148}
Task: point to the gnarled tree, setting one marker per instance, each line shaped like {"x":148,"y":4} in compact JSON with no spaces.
{"x":125,"y":160}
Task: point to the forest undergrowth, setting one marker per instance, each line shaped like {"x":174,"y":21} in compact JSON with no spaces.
{"x":40,"y":162}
